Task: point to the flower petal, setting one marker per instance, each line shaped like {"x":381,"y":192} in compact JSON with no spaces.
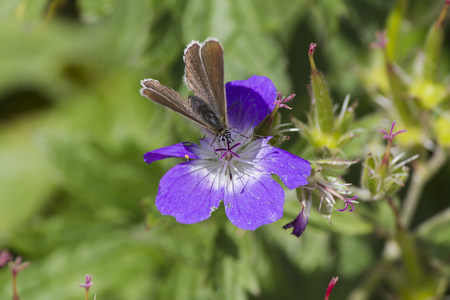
{"x":249,"y":102}
{"x":291,"y":169}
{"x":177,"y":150}
{"x":252,"y":201}
{"x":189,"y":192}
{"x":299,"y":223}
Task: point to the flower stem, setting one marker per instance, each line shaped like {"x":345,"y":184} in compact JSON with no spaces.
{"x":394,"y":207}
{"x":369,"y":283}
{"x":410,"y":257}
{"x":14,"y":283}
{"x":385,"y":160}
{"x":421,"y":175}
{"x":86,"y":295}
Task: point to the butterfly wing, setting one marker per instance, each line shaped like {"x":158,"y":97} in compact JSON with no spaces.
{"x":212,"y":57}
{"x":204,"y":75}
{"x":168,"y":97}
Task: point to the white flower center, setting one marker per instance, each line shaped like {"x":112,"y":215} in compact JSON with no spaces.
{"x":229,"y":165}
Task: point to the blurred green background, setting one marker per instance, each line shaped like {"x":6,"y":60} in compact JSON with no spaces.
{"x":75,"y":194}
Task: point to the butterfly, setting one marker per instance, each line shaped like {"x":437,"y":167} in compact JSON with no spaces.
{"x":204,"y":75}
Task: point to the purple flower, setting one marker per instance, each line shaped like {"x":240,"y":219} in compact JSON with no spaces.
{"x":238,"y":173}
{"x":300,"y":222}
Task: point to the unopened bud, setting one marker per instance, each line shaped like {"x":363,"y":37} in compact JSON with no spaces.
{"x":323,"y":106}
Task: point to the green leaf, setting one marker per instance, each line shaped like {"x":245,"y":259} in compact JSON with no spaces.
{"x":436,"y":230}
{"x":355,"y":255}
{"x":26,"y":177}
{"x":249,"y":49}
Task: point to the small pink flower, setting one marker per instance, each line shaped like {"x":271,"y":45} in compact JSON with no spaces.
{"x":87,"y":283}
{"x":5,"y":256}
{"x":17,"y":265}
{"x":391,"y":135}
{"x":381,"y":40}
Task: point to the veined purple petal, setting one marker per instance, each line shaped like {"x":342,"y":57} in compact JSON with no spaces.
{"x":291,"y":169}
{"x":252,"y":201}
{"x":177,"y":150}
{"x":189,"y":192}
{"x":249,"y":102}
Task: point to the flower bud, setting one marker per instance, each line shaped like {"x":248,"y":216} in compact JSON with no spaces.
{"x":323,"y":106}
{"x":268,"y":126}
{"x":396,"y":180}
{"x":326,"y":133}
{"x":384,"y":176}
{"x":433,"y":46}
{"x":300,"y":222}
{"x":426,"y":88}
{"x":393,"y":27}
{"x":369,"y":181}
{"x":334,"y":163}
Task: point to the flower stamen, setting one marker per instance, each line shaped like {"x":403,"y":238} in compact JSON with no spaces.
{"x":281,"y":99}
{"x":228,"y":154}
{"x":348,"y":201}
{"x":390,"y":137}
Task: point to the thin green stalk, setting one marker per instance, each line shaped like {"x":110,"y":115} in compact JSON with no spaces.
{"x":369,"y":283}
{"x":394,"y":208}
{"x":439,"y":219}
{"x":421,"y":175}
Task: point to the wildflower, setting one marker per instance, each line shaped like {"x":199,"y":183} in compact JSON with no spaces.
{"x":237,"y":172}
{"x":391,"y":135}
{"x":16,"y":266}
{"x":88,"y":283}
